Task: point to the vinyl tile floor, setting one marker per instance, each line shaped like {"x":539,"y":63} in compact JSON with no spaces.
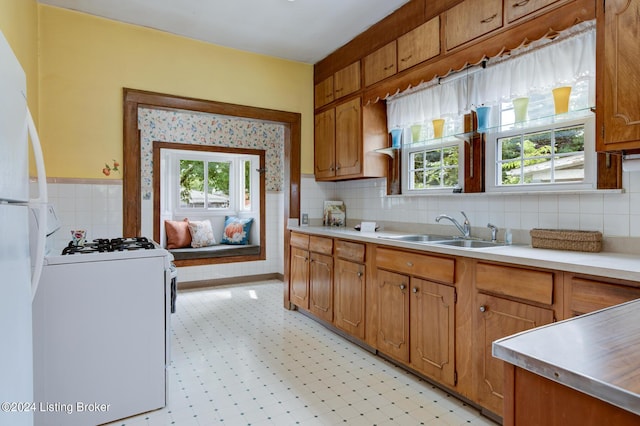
{"x":240,"y":358}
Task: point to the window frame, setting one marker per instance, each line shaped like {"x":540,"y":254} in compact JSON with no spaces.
{"x":590,"y":158}
{"x":429,"y":145}
{"x":259,"y":206}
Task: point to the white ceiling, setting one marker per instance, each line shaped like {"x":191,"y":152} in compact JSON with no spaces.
{"x":299,"y":30}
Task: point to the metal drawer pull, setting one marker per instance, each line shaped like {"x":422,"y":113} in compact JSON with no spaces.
{"x":409,"y":263}
{"x":521,"y":3}
{"x":402,"y":286}
{"x":489,"y":19}
{"x":359,"y":274}
{"x":409,"y":57}
{"x":415,"y":289}
{"x":483,"y":308}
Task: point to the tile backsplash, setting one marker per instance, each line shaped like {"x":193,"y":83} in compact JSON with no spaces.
{"x":614,"y":213}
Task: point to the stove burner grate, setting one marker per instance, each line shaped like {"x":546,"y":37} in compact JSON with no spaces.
{"x":106,"y":245}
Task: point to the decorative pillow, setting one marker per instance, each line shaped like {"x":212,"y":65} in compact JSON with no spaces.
{"x":201,"y":234}
{"x":178,"y":235}
{"x":236,"y":230}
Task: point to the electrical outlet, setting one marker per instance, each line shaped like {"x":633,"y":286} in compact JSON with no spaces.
{"x":305,"y":219}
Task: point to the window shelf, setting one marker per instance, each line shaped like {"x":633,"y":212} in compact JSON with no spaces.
{"x":391,"y":151}
{"x":523,"y":125}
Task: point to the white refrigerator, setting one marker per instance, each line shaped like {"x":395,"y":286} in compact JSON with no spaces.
{"x":18,"y":282}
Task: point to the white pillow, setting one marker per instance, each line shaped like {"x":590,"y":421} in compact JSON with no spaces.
{"x":201,"y":234}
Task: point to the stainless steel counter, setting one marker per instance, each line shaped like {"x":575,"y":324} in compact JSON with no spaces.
{"x":597,"y":354}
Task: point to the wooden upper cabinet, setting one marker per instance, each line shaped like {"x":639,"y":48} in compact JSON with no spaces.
{"x":380,"y":64}
{"x":348,"y":138}
{"x":324,"y":92}
{"x":325,"y":144}
{"x":516,"y":9}
{"x":618,"y":50}
{"x":341,"y":83}
{"x":419,"y":45}
{"x":345,"y":140}
{"x":471,"y":19}
{"x":347,"y":80}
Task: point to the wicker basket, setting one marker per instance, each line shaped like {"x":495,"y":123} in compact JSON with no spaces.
{"x":566,"y":239}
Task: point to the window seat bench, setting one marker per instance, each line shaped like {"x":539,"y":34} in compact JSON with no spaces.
{"x":220,"y":250}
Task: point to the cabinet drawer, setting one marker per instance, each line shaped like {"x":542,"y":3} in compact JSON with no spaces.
{"x":588,"y":295}
{"x":433,"y":268}
{"x":299,"y":240}
{"x":321,"y":244}
{"x":350,"y":251}
{"x":527,"y":284}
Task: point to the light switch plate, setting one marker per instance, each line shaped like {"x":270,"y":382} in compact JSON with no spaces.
{"x":305,"y":219}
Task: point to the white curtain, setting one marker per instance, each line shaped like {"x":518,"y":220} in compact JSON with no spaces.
{"x":538,"y":67}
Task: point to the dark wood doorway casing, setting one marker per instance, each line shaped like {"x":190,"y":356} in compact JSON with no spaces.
{"x":132,"y":194}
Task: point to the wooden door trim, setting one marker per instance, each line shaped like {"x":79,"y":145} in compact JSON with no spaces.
{"x":132,"y":195}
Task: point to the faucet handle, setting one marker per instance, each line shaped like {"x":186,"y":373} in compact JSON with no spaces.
{"x":466,"y":219}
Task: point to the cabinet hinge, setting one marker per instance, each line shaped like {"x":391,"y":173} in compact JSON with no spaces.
{"x":455,"y":378}
{"x":455,"y":296}
{"x":603,"y":132}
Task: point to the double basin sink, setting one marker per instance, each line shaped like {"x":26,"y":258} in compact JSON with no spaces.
{"x":443,"y":240}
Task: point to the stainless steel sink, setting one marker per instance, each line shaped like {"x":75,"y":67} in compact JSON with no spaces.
{"x":469,"y":243}
{"x":417,"y":238}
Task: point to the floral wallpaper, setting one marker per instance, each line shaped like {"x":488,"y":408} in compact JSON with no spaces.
{"x":209,"y":129}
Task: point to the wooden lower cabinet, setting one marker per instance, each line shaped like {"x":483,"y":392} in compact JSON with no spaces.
{"x":321,"y":286}
{"x":495,"y":318}
{"x":432,"y":330}
{"x":299,"y":277}
{"x":393,"y":314}
{"x":534,"y":400}
{"x":349,"y":297}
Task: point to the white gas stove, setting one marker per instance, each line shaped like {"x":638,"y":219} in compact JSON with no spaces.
{"x":102,"y":331}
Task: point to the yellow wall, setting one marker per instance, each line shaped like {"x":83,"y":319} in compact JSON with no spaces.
{"x":18,"y":23}
{"x":85,"y":62}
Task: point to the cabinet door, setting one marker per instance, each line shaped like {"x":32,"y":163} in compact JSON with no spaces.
{"x":618,"y":51}
{"x":321,"y":286}
{"x":393,"y":315}
{"x":348,"y":139}
{"x":432,"y":326}
{"x":324,"y":144}
{"x":299,"y":277}
{"x":349,"y":302}
{"x":471,"y":19}
{"x":419,"y":45}
{"x":380,"y":64}
{"x":497,"y":318}
{"x":323,"y":92}
{"x":516,"y":9}
{"x":347,"y":80}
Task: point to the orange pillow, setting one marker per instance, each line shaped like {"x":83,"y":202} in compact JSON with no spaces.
{"x":178,"y":234}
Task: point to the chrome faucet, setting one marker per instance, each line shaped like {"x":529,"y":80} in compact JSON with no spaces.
{"x":494,"y":232}
{"x":465,"y":228}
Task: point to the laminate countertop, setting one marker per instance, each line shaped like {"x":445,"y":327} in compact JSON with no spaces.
{"x":604,"y":264}
{"x":597,"y":354}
